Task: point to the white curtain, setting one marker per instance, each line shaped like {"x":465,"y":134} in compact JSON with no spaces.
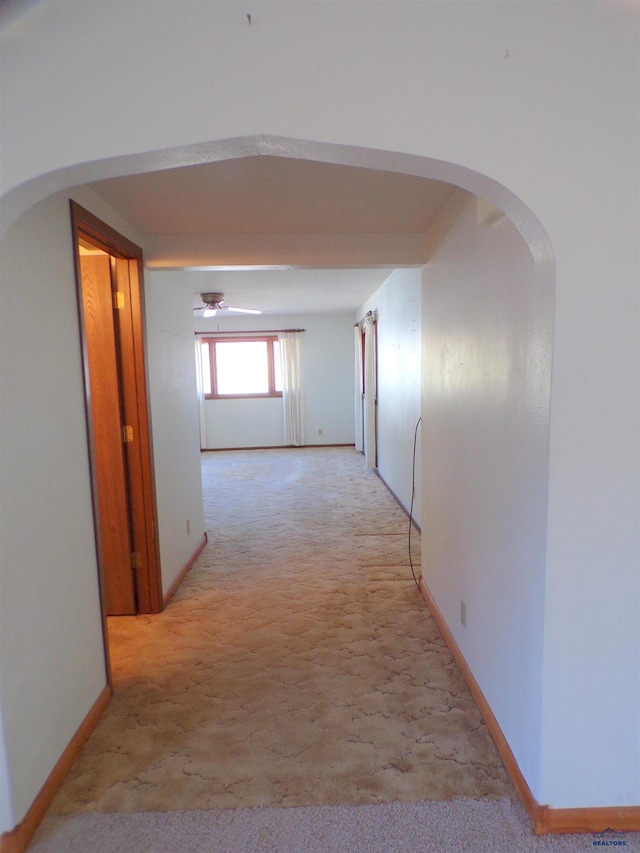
{"x":357,"y":340}
{"x":200,"y":391}
{"x":291,"y":389}
{"x":370,"y":391}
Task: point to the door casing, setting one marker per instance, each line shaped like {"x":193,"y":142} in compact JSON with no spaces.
{"x":127,"y":274}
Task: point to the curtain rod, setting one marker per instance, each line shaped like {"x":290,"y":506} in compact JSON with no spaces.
{"x":370,"y":317}
{"x":249,"y":332}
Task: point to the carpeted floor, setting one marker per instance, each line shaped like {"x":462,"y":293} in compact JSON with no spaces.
{"x":454,"y":826}
{"x":296,"y":666}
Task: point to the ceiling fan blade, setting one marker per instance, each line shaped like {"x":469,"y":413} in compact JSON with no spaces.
{"x":242,"y":310}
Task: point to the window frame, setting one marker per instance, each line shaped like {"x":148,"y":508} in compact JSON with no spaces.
{"x":270,"y":340}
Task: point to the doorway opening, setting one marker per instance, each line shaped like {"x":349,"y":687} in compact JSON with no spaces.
{"x":366,"y":413}
{"x":110,"y":310}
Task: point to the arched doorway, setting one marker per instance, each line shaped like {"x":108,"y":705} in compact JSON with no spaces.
{"x":523,"y":220}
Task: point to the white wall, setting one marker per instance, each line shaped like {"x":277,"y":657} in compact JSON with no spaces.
{"x":243,"y":423}
{"x":485,"y":410}
{"x":175,"y":421}
{"x":51,"y":643}
{"x":533,"y":105}
{"x":51,"y":649}
{"x":398,"y":305}
{"x":328,"y":378}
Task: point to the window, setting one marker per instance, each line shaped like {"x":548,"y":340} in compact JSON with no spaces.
{"x":241,"y":367}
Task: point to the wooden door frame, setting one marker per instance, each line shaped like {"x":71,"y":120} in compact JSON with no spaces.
{"x":141,"y":480}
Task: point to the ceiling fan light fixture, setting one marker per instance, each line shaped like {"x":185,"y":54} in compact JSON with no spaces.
{"x":214,"y":302}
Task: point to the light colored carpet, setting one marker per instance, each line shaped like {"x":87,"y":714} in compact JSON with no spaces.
{"x":456,"y":826}
{"x":297,"y":665}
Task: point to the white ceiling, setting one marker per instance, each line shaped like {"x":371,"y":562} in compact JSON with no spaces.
{"x":294,"y":291}
{"x":277,"y":196}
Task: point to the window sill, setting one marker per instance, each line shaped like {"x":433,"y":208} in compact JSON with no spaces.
{"x":243,"y":396}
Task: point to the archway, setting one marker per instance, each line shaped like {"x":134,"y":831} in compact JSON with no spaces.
{"x":527,"y":225}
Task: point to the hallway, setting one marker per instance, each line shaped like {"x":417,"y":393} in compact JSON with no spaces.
{"x":297,"y":664}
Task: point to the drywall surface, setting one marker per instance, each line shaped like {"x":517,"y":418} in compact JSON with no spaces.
{"x":532,"y":105}
{"x":485,"y":418}
{"x":398,"y":305}
{"x":246,"y":422}
{"x":328,"y":376}
{"x":51,"y":649}
{"x":6,"y":798}
{"x":175,"y":421}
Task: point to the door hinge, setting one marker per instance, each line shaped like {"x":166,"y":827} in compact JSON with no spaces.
{"x":118,"y":299}
{"x":127,"y":434}
{"x":136,"y":560}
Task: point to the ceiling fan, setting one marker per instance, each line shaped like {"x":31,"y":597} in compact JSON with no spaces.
{"x":214,"y":302}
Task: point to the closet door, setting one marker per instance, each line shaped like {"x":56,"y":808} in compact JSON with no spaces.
{"x":109,"y":435}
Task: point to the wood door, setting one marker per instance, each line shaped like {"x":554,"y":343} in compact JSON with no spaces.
{"x":114,"y":533}
{"x":135,"y":414}
{"x":128,"y":469}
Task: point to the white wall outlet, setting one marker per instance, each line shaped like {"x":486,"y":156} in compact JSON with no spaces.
{"x":188,"y":527}
{"x":463,"y":612}
{"x":320,"y":431}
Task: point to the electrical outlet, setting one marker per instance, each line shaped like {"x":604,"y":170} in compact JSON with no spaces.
{"x":463,"y":612}
{"x":320,"y":431}
{"x":188,"y":527}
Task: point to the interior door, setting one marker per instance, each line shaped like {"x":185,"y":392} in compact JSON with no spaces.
{"x":109,"y":277}
{"x":370,"y":415}
{"x":105,"y":400}
{"x":135,"y":415}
